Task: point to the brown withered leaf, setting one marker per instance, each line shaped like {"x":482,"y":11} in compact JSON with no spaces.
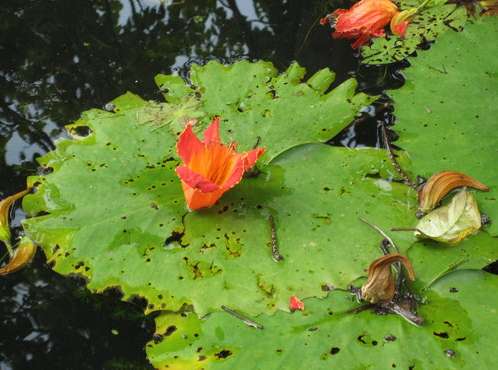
{"x":23,"y":255}
{"x":381,"y":286}
{"x":5,"y":205}
{"x":490,"y":7}
{"x":452,"y":222}
{"x":440,"y":184}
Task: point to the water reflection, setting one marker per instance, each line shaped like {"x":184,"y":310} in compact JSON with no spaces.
{"x":58,"y":58}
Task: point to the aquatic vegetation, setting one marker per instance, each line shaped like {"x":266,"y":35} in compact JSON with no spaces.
{"x":222,"y":281}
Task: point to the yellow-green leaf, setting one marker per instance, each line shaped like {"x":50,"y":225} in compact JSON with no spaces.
{"x":453,"y":222}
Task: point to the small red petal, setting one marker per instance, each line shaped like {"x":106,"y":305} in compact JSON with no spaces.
{"x":296,"y":304}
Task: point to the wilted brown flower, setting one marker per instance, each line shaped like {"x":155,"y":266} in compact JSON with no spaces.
{"x":381,"y":286}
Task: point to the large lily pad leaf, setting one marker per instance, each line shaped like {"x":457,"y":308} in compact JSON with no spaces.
{"x":120,"y":220}
{"x":257,"y":105}
{"x":446,"y":113}
{"x":427,"y":25}
{"x":459,"y":333}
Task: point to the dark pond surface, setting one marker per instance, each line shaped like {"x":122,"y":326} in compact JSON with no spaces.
{"x":60,"y":57}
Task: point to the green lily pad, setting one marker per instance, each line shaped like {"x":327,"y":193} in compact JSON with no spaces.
{"x":132,"y":229}
{"x":446,"y":112}
{"x":427,"y":25}
{"x":258,"y":105}
{"x":113,"y":211}
{"x":459,"y":333}
{"x":434,"y":260}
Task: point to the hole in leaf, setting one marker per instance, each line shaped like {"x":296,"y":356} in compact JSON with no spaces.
{"x":223,"y":354}
{"x":114,"y":292}
{"x":82,"y":131}
{"x":334,"y":350}
{"x":443,"y":335}
{"x":176,"y":236}
{"x":492,"y":268}
{"x":139,"y":301}
{"x":170,"y":330}
{"x":45,"y":170}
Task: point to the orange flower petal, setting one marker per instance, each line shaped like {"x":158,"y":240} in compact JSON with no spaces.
{"x":188,"y":144}
{"x":194,"y":180}
{"x":251,"y":157}
{"x":196,"y":199}
{"x":212,"y":133}
{"x":236,"y":174}
{"x":296,"y":304}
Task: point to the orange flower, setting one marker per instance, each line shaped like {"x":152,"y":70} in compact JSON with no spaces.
{"x":364,"y":20}
{"x":210,"y":168}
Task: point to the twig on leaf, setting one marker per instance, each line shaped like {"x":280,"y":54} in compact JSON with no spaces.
{"x":275,"y":253}
{"x":381,"y":232}
{"x":404,"y":313}
{"x":394,"y":161}
{"x":244,"y":319}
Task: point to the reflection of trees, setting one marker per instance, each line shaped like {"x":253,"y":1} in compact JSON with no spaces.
{"x":60,"y":57}
{"x":52,"y":322}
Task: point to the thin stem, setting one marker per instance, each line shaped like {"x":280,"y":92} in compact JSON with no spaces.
{"x":381,"y":232}
{"x":445,"y":272}
{"x":244,"y":319}
{"x":421,"y":6}
{"x":392,"y":156}
{"x":307,"y":36}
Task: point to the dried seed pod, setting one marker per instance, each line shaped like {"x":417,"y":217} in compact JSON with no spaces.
{"x":23,"y":254}
{"x":441,"y":184}
{"x":381,"y":286}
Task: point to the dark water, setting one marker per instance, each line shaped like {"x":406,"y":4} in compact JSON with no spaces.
{"x":60,"y":57}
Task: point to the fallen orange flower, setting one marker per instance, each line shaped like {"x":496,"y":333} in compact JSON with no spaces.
{"x":210,"y":168}
{"x":364,"y":20}
{"x":296,"y":304}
